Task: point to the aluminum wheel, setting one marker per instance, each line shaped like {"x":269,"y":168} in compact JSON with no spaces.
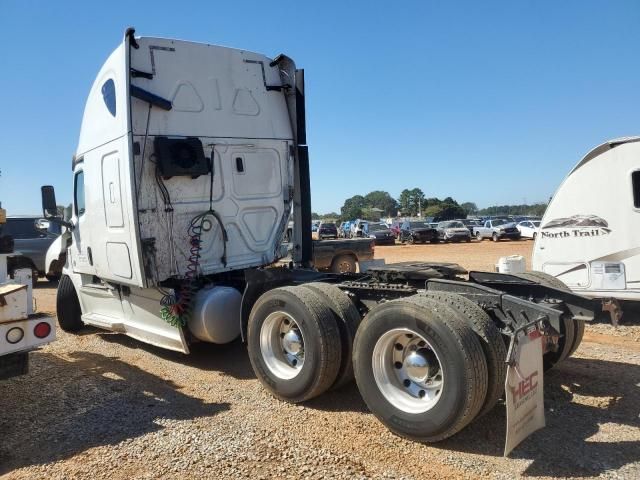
{"x":282,"y":345}
{"x":407,"y":371}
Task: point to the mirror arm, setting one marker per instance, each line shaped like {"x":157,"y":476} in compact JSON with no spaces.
{"x":62,"y":222}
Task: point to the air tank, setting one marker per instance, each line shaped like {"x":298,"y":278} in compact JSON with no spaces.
{"x":215,"y":316}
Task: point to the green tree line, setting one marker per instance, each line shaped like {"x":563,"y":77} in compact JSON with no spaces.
{"x":413,"y":202}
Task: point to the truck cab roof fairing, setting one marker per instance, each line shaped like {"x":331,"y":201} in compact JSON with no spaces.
{"x":214,"y":91}
{"x":105,"y":113}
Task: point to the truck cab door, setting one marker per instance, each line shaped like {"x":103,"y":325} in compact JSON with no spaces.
{"x":81,"y":258}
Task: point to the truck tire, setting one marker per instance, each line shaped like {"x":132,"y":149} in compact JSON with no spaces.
{"x":491,"y":341}
{"x":411,"y":240}
{"x":495,"y":237}
{"x":344,"y":264}
{"x":479,"y":236}
{"x":419,"y":368}
{"x":348,"y":319}
{"x":294,"y":343}
{"x":68,"y":307}
{"x":571,"y":330}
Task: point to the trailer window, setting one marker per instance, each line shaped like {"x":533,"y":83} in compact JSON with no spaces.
{"x":109,"y":96}
{"x":635,"y":182}
{"x":78,"y":196}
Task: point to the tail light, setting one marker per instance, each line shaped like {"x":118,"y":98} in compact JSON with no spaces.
{"x":14,"y":335}
{"x":42,"y":330}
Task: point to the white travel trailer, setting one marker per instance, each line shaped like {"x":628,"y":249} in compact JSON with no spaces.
{"x":191,"y":159}
{"x":590,"y":233}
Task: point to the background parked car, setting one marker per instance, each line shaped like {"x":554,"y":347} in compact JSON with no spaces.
{"x":395,"y":228}
{"x":417,"y":232}
{"x":344,"y":230}
{"x":497,"y":229}
{"x":31,"y":240}
{"x":453,"y":231}
{"x":380,"y":233}
{"x":326,"y":231}
{"x":357,"y":228}
{"x":470,"y":223}
{"x":529,"y":228}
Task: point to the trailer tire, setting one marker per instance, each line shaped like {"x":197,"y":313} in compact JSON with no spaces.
{"x":455,"y":351}
{"x":293,"y":377}
{"x":68,"y":306}
{"x":348,"y":319}
{"x":491,"y":341}
{"x":571,"y":330}
{"x":344,"y":264}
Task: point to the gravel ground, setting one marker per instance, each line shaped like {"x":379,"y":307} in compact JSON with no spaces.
{"x":102,"y":405}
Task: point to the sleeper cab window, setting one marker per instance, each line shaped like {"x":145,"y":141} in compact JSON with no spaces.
{"x":109,"y":96}
{"x":78,"y":195}
{"x":635,"y":183}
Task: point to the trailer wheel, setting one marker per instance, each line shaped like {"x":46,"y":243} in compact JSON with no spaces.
{"x":570,"y":329}
{"x":294,"y":343}
{"x":67,"y":306}
{"x":491,"y":341}
{"x":348,"y":319}
{"x":344,"y":264}
{"x":419,"y":368}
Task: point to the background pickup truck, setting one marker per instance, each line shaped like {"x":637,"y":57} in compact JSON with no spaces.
{"x":496,"y":229}
{"x":342,"y":256}
{"x":30,"y":244}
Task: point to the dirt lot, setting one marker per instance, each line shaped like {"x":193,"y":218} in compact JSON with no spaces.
{"x":102,"y":405}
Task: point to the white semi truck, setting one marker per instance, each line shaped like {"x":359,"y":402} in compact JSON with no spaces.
{"x":190,"y":161}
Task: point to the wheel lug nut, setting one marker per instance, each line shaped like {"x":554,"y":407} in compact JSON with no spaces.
{"x":398,"y":365}
{"x":422,"y":393}
{"x":399,"y":346}
{"x":407,"y":383}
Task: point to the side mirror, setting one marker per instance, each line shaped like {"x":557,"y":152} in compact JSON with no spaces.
{"x":49,"y":205}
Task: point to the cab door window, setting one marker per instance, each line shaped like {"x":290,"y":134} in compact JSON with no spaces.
{"x":78,"y":194}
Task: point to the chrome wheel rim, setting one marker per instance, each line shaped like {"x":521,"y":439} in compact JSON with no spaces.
{"x":407,"y":371}
{"x":282,"y":345}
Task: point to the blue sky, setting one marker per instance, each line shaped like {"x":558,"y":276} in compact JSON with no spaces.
{"x":491,"y":102}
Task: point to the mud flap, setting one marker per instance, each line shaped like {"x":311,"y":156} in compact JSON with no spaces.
{"x":524,"y":389}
